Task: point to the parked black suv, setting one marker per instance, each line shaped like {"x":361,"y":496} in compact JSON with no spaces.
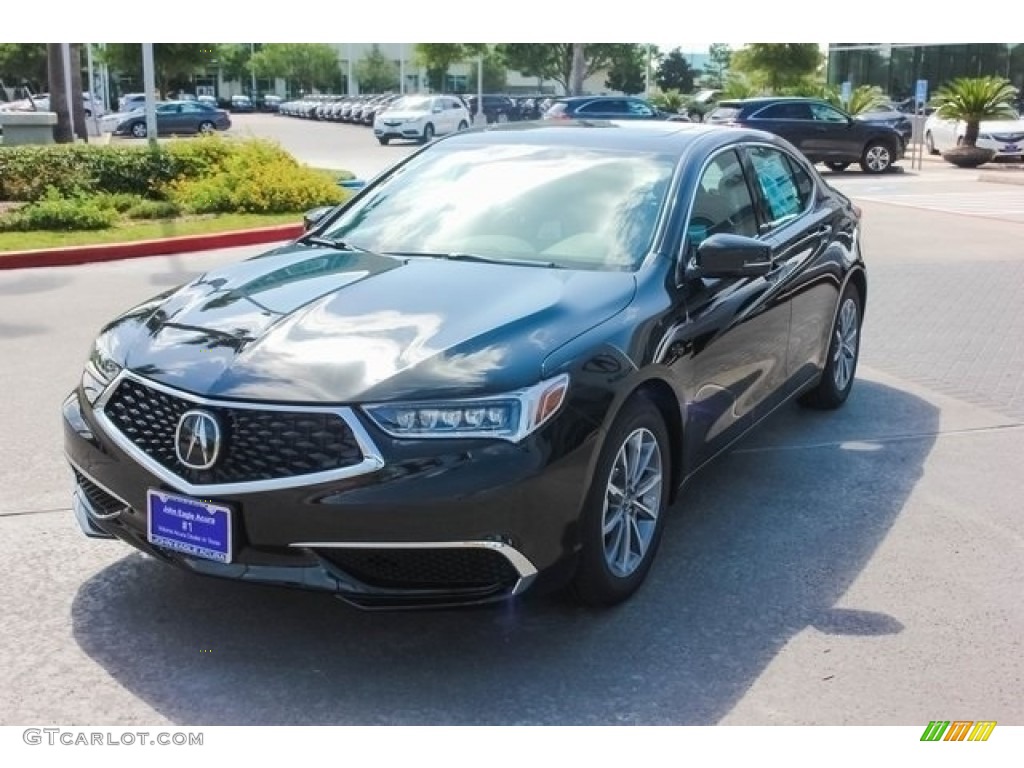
{"x":823,"y":133}
{"x":497,"y":109}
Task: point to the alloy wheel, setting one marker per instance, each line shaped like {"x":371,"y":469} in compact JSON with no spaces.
{"x":632,"y":503}
{"x":845,"y":355}
{"x":877,"y":158}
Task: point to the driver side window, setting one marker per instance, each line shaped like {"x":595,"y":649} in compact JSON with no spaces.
{"x":723,"y":204}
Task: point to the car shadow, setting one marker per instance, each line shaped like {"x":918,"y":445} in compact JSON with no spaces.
{"x":761,"y":546}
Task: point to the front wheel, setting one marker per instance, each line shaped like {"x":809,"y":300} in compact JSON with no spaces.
{"x":877,"y":158}
{"x":138,"y":130}
{"x":929,"y":143}
{"x":463,"y":125}
{"x":624,"y":512}
{"x":383,"y":140}
{"x":837,"y":167}
{"x":206,"y":127}
{"x":843,"y":353}
{"x":428,"y":134}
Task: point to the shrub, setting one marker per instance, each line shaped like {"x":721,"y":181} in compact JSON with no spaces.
{"x":154,"y":209}
{"x":55,"y":212}
{"x":119,"y":201}
{"x":258,"y":177}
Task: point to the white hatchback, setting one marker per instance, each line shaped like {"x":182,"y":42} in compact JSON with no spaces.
{"x":1006,"y":137}
{"x":421,"y":118}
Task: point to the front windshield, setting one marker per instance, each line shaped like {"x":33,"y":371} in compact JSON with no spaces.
{"x":574,"y":207}
{"x":413,"y":103}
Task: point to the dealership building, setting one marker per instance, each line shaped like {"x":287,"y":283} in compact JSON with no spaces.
{"x":896,"y":67}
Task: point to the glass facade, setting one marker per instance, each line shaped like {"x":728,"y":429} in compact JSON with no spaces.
{"x":895,"y":67}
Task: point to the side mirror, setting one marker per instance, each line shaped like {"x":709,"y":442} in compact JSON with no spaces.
{"x":730,"y":256}
{"x":312,"y":217}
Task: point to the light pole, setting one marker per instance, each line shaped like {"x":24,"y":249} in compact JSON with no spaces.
{"x":647,"y":74}
{"x":252,"y":70}
{"x":348,"y":77}
{"x":65,"y":53}
{"x":149,"y":85}
{"x":401,"y":68}
{"x":479,"y":119}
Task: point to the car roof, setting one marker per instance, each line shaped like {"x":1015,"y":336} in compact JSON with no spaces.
{"x":603,"y":97}
{"x":670,"y":137}
{"x":758,"y":100}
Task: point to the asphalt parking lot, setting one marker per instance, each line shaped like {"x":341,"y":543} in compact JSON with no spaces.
{"x":861,"y":567}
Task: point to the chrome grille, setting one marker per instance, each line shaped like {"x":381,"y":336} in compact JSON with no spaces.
{"x":257,"y":444}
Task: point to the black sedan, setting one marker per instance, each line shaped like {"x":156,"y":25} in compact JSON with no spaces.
{"x":493,"y":369}
{"x":822,"y":132}
{"x":175,"y":117}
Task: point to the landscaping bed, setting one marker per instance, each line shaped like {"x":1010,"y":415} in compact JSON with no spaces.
{"x":67,"y":195}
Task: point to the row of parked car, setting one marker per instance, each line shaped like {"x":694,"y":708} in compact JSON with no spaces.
{"x":362,"y":109}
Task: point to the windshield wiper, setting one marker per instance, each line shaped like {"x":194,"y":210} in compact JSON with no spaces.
{"x":463,"y":256}
{"x":326,"y":242}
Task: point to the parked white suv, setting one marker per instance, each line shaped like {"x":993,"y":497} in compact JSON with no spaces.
{"x":421,"y":118}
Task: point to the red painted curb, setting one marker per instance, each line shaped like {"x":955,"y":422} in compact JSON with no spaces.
{"x":84,"y":254}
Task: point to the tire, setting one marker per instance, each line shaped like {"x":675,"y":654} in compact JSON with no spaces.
{"x":876,"y":158}
{"x":837,"y":167}
{"x":138,"y":130}
{"x":383,"y":140}
{"x":463,"y":125}
{"x":611,"y":569}
{"x":207,"y":127}
{"x":843,"y":354}
{"x":929,"y":143}
{"x":502,"y":117}
{"x":428,"y":134}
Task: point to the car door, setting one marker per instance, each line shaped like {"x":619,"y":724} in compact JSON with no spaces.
{"x":730,"y":355}
{"x":789,"y":119}
{"x":168,"y":118}
{"x":799,"y":229}
{"x":833,"y":135}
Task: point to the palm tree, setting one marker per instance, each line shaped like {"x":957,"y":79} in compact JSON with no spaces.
{"x":973,"y":99}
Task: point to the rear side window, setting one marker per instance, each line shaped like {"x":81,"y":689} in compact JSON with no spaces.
{"x":612,"y":106}
{"x":785,"y":193}
{"x":639,"y":108}
{"x":784,"y":111}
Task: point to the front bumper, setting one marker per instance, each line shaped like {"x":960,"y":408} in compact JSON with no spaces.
{"x":442,"y":522}
{"x":404,"y":131}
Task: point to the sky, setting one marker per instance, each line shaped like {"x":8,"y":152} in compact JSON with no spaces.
{"x":411,"y":21}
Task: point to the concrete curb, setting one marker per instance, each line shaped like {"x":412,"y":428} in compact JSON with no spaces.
{"x":1002,"y":176}
{"x":85,"y":254}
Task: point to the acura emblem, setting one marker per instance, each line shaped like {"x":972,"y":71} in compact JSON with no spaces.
{"x":197,"y":440}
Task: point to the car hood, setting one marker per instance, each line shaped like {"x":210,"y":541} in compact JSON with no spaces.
{"x":306,"y":324}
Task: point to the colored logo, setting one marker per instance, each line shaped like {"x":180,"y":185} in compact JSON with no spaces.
{"x":958,"y":730}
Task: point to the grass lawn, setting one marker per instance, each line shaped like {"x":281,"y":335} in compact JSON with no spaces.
{"x":144,"y":230}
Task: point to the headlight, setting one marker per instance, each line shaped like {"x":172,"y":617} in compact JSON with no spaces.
{"x":511,"y":417}
{"x":100,"y":370}
{"x":985,"y":136}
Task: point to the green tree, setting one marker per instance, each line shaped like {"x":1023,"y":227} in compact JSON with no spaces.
{"x":777,"y":65}
{"x":306,"y":66}
{"x":973,"y":99}
{"x":675,"y":73}
{"x":720,"y":59}
{"x":235,"y":61}
{"x":375,"y":72}
{"x":494,"y":70}
{"x":21,"y":62}
{"x":628,"y":70}
{"x":438,"y":58}
{"x":173,"y":63}
{"x":553,"y":61}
